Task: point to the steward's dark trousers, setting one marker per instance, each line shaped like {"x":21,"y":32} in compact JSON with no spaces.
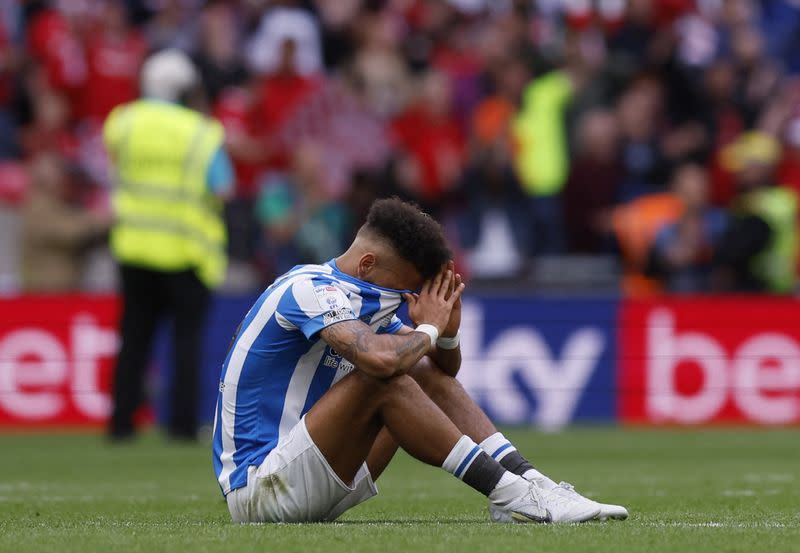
{"x":148,"y":297}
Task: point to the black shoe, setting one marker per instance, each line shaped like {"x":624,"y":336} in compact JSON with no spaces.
{"x":182,"y":436}
{"x":116,"y":436}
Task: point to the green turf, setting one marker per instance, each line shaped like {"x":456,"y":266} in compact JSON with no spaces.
{"x":723,"y":490}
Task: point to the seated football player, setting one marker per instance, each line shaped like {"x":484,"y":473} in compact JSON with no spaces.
{"x":323,"y":383}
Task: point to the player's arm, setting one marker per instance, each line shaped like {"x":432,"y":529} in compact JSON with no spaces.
{"x":384,"y":355}
{"x":448,"y":360}
{"x":378,"y":355}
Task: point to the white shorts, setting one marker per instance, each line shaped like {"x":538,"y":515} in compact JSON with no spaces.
{"x":296,"y":484}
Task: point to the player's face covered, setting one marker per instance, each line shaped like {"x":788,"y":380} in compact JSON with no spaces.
{"x":389,"y":271}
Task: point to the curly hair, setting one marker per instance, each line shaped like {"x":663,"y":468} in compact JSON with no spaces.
{"x":413,"y":234}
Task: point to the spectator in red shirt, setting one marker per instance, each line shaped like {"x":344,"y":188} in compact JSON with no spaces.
{"x":431,"y":144}
{"x":114,"y":53}
{"x":53,"y":42}
{"x":280,"y":93}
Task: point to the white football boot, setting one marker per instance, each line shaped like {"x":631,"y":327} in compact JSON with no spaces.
{"x":607,"y":510}
{"x":526,"y":508}
{"x":559,"y":505}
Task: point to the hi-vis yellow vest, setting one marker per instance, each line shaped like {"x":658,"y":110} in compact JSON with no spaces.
{"x":542,"y":158}
{"x":777,"y":264}
{"x":166,"y":218}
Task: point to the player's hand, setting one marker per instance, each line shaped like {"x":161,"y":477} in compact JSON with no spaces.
{"x":434,"y":304}
{"x":455,"y":315}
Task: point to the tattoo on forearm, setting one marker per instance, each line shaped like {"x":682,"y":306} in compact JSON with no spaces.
{"x":350,"y":339}
{"x":353,"y":339}
{"x":361,"y":341}
{"x":413,"y":344}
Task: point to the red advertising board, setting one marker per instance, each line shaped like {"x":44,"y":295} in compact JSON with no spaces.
{"x":709,"y":360}
{"x":56,"y":356}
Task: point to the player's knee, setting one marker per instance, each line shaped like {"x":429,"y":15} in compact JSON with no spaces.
{"x":431,"y":378}
{"x":388,"y":385}
{"x":403,"y":385}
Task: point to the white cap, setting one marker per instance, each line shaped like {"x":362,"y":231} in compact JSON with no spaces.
{"x":168,"y":74}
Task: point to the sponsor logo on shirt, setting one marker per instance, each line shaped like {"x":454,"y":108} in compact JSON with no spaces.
{"x":334,"y":360}
{"x":329,"y":297}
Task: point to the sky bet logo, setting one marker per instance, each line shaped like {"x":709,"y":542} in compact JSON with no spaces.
{"x":537,"y":369}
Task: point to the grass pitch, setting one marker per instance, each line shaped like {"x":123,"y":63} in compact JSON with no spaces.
{"x":699,"y":490}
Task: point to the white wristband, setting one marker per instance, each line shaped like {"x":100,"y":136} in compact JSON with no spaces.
{"x":430,"y":330}
{"x":449,"y":343}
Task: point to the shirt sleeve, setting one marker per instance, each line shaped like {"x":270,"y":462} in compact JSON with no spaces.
{"x":314,"y":304}
{"x":220,"y":176}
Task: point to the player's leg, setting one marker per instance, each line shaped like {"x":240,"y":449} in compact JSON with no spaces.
{"x":348,"y":420}
{"x":454,"y":401}
{"x":448,"y":394}
{"x":382,"y":453}
{"x":140,"y":314}
{"x":451,"y":397}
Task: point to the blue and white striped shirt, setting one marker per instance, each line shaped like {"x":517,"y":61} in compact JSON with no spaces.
{"x":278,"y":366}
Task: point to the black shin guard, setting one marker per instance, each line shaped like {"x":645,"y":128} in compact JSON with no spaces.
{"x":516,"y":463}
{"x":483,"y":474}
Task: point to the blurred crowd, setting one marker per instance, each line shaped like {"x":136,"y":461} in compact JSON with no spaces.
{"x":663,"y":133}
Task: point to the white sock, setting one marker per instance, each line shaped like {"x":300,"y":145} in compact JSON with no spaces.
{"x":469,"y":463}
{"x":497,"y":446}
{"x":509,"y":488}
{"x":461,"y":456}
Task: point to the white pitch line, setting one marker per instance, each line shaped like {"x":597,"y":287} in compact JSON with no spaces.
{"x":713,"y":524}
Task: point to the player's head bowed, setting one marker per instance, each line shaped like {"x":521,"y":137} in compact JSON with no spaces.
{"x":413,"y":235}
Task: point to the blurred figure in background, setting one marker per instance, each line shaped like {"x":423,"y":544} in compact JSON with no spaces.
{"x":217,"y":56}
{"x":285,"y":21}
{"x":301,"y":223}
{"x":636,"y":225}
{"x":683,"y":253}
{"x":542,"y":156}
{"x":378,"y":66}
{"x":759,"y":250}
{"x":169,"y":238}
{"x":430,"y":143}
{"x":757,"y":75}
{"x":494,"y":227}
{"x":644,"y":163}
{"x":115,"y":52}
{"x":172,"y":25}
{"x":48,"y":129}
{"x":9,"y":60}
{"x":594,"y":178}
{"x":56,"y":233}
